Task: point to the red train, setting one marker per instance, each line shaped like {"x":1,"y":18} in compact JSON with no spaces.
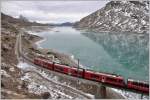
{"x":138,"y":85}
{"x":109,"y":79}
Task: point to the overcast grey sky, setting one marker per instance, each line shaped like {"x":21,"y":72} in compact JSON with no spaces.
{"x":51,"y":11}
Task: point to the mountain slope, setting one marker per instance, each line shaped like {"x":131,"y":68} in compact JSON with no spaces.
{"x":118,"y":16}
{"x":19,"y":21}
{"x":12,"y":86}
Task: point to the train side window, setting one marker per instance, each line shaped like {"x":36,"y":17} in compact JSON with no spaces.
{"x":146,"y":85}
{"x":75,"y":72}
{"x":94,"y":76}
{"x":120,"y":81}
{"x":111,"y":79}
{"x":59,"y":68}
{"x":135,"y":83}
{"x":45,"y":64}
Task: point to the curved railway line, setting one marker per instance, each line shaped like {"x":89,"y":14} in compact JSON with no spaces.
{"x":28,"y":60}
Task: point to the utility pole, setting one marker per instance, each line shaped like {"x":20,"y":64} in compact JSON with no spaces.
{"x":78,"y":71}
{"x":141,"y":96}
{"x":78,"y":68}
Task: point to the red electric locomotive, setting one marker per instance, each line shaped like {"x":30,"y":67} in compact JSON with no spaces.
{"x":105,"y":78}
{"x":113,"y":79}
{"x":138,"y":85}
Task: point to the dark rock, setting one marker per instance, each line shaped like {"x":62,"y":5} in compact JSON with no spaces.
{"x":58,"y":97}
{"x":46,"y":95}
{"x":2,"y":85}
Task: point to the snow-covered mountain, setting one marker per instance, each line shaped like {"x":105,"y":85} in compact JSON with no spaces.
{"x":118,"y":16}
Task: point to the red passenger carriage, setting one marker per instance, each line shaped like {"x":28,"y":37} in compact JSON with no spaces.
{"x":138,"y":85}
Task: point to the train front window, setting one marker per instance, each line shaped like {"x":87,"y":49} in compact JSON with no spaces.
{"x":146,"y":85}
{"x":135,"y":83}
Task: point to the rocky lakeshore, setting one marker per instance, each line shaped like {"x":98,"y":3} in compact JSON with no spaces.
{"x":11,"y":84}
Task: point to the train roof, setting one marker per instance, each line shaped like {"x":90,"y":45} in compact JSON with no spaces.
{"x":138,"y":81}
{"x":106,"y":74}
{"x":46,"y":60}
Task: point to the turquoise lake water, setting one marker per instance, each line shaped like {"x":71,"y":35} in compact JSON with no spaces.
{"x":124,"y":54}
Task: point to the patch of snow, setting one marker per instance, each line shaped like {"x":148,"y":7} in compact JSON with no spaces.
{"x":39,"y":42}
{"x":19,"y":87}
{"x":115,"y":22}
{"x":3,"y":72}
{"x":107,"y":12}
{"x":56,"y":60}
{"x":129,"y":95}
{"x":127,"y":14}
{"x":55,"y":78}
{"x":118,"y":91}
{"x":37,"y":88}
{"x":26,"y":77}
{"x":116,"y":10}
{"x":127,"y":20}
{"x":12,"y":69}
{"x":143,"y":22}
{"x":23,"y":65}
{"x":99,"y":23}
{"x":124,"y":1}
{"x":63,"y":94}
{"x":48,"y":76}
{"x":90,"y":95}
{"x":31,"y":32}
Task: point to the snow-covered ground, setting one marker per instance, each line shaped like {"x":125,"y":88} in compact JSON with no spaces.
{"x":130,"y":95}
{"x":41,"y":81}
{"x":3,"y":72}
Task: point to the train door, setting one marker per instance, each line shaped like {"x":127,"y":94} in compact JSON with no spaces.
{"x":46,"y":64}
{"x":36,"y":61}
{"x":83,"y":74}
{"x":103,"y":79}
{"x":69,"y":71}
{"x":40,"y":62}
